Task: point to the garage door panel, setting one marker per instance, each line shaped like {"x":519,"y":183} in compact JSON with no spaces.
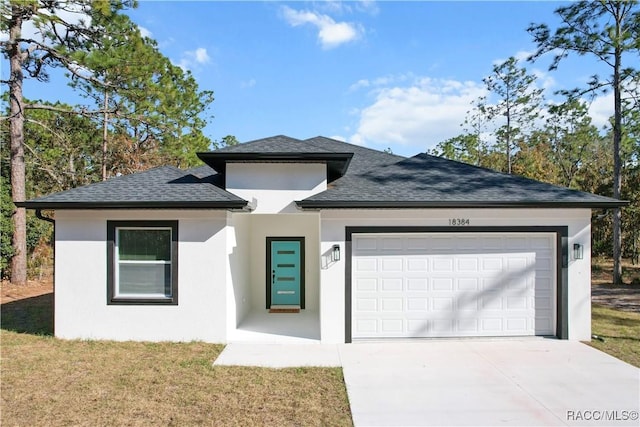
{"x":417,"y":265}
{"x":391,"y":304}
{"x":391,"y":243}
{"x":442,"y":264}
{"x":417,"y":284}
{"x":468,"y":284}
{"x":410,"y":286}
{"x":442,"y":284}
{"x":391,"y":284}
{"x":417,"y":304}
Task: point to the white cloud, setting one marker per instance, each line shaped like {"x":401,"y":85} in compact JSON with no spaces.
{"x":331,"y":34}
{"x":248,"y":83}
{"x":380,"y":81}
{"x":342,"y":7}
{"x":144,"y":32}
{"x":193,"y":58}
{"x":200,"y":55}
{"x":601,"y":109}
{"x":70,"y":13}
{"x":417,"y":116}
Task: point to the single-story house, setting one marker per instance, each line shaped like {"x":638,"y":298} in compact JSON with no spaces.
{"x":285,"y":239}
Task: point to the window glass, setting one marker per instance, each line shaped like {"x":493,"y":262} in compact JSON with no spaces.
{"x":144,"y":245}
{"x":143,"y":262}
{"x":145,"y":279}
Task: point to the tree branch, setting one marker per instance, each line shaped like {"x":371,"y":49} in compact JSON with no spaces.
{"x":81,"y":112}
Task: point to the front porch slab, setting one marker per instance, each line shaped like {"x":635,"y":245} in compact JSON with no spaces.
{"x":278,"y":328}
{"x":279,"y":355}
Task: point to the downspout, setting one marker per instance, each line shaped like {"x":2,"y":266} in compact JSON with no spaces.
{"x":53,"y":311}
{"x":46,"y":218}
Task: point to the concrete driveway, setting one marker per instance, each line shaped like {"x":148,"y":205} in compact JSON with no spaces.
{"x":515,"y":382}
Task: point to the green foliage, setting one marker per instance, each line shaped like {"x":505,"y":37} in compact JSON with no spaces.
{"x":515,"y":106}
{"x":152,"y":110}
{"x":149,"y":103}
{"x":6,"y":227}
{"x":229,"y":141}
{"x":608,"y":31}
{"x":464,"y":148}
{"x":38,"y":232}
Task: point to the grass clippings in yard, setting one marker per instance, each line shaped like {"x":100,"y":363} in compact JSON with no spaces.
{"x":620,"y":331}
{"x":47,"y":381}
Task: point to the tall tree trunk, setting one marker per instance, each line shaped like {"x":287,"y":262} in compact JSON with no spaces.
{"x":508,"y":141}
{"x":18,"y":178}
{"x":105,"y":134}
{"x":617,"y":168}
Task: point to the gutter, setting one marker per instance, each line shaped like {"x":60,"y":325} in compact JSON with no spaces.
{"x":44,"y":218}
{"x":240,"y":204}
{"x":350,"y":204}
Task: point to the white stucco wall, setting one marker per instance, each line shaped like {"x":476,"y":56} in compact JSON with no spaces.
{"x":274,"y":187}
{"x":81,"y":309}
{"x":332,"y":276}
{"x":238,"y":272}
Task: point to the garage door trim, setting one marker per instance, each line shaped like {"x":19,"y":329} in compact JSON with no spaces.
{"x":562,"y":253}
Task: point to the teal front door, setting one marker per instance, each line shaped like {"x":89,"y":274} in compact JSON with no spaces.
{"x":285,"y":271}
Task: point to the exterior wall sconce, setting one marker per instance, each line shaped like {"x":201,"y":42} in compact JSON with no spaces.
{"x":578,"y":251}
{"x":335,"y":253}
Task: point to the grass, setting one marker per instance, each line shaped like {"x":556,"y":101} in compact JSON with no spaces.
{"x":48,"y":381}
{"x":620,"y":331}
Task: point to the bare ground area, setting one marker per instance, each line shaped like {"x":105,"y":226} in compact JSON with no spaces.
{"x":621,"y":297}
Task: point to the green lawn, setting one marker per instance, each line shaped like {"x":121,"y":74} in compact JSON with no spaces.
{"x":620,"y":331}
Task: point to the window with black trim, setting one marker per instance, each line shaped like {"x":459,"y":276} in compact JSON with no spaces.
{"x":142,"y":262}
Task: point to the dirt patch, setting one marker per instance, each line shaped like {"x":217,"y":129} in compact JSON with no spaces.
{"x":626,"y":297}
{"x":622,"y":297}
{"x":33,"y":288}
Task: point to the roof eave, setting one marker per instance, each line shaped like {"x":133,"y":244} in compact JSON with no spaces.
{"x":338,"y":163}
{"x":239,"y":204}
{"x":349,"y":204}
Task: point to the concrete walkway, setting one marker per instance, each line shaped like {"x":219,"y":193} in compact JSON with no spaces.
{"x":269,"y":355}
{"x":474,"y":382}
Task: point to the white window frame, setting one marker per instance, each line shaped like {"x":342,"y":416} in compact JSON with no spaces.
{"x":119,"y":262}
{"x":114,"y":295}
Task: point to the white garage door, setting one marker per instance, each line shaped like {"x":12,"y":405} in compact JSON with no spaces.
{"x":452,"y":285}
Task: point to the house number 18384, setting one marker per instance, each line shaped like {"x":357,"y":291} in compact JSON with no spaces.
{"x":459,"y":221}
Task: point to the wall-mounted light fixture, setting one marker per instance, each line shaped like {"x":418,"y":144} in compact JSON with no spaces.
{"x":335,"y":253}
{"x":578,"y":251}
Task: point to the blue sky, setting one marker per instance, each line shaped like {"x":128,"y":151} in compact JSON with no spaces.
{"x":382,"y":74}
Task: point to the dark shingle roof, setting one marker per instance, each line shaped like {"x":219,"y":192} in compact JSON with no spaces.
{"x":428,"y":181}
{"x":374,"y":179}
{"x":273,"y":144}
{"x":161,"y":187}
{"x":364,"y":159}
